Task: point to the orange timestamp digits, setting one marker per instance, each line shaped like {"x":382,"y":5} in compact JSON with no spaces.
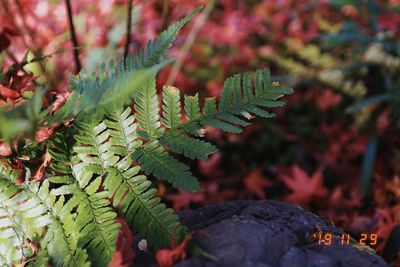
{"x":326,"y":238}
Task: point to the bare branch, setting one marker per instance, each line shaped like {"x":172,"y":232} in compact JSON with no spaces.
{"x":73,"y":36}
{"x":128,"y":31}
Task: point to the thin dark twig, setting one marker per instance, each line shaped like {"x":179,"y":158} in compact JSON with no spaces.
{"x":128,"y":31}
{"x":73,"y":36}
{"x":165,"y":15}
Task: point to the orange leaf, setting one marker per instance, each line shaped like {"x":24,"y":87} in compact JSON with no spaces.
{"x":5,"y":150}
{"x":124,"y":253}
{"x":182,"y":200}
{"x":40,"y":171}
{"x":44,"y":133}
{"x":255,"y":183}
{"x":304,"y":188}
{"x":167,"y":257}
{"x":8,"y":93}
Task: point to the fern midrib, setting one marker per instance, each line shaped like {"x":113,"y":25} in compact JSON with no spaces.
{"x":142,"y":204}
{"x":122,"y":129}
{"x":148,"y":114}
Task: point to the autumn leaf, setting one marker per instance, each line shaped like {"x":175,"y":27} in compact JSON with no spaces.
{"x":17,"y":165}
{"x":6,"y":92}
{"x":327,"y":99}
{"x":5,"y":150}
{"x":124,"y":253}
{"x":304,"y":188}
{"x":167,"y":257}
{"x":182,"y":200}
{"x":60,"y":101}
{"x":44,"y":133}
{"x":255,"y":183}
{"x":46,"y":160}
{"x":209,"y":167}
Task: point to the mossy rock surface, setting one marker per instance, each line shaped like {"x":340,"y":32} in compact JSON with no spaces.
{"x":266,"y":234}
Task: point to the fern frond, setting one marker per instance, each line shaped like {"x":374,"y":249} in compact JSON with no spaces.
{"x":135,"y":200}
{"x":94,"y":148}
{"x":147,"y":111}
{"x":122,"y":129}
{"x":171,"y":107}
{"x":156,"y":50}
{"x":38,"y":208}
{"x":130,"y":192}
{"x":188,"y":146}
{"x":192,"y":107}
{"x":95,"y":219}
{"x":62,"y":235}
{"x":12,"y":237}
{"x":241,"y":97}
{"x":99,"y":93}
{"x":60,"y":148}
{"x":154,"y":159}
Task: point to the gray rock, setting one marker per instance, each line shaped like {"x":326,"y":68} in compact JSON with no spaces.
{"x":265,"y":234}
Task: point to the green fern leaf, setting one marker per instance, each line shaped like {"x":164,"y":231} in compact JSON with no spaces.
{"x":62,"y":236}
{"x":147,"y":111}
{"x":103,"y":152}
{"x":192,"y":108}
{"x":154,"y":159}
{"x":187,"y":146}
{"x":95,"y":219}
{"x":122,"y":129}
{"x":171,"y":107}
{"x":157,"y":49}
{"x":99,"y":93}
{"x":239,"y":98}
{"x":42,"y":208}
{"x":139,"y":205}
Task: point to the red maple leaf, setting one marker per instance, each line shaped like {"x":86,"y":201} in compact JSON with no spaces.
{"x":304,"y":188}
{"x":255,"y":183}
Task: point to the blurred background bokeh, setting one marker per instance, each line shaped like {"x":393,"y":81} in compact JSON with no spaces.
{"x":334,"y":149}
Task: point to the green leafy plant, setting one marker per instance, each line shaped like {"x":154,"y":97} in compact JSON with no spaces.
{"x":103,"y":162}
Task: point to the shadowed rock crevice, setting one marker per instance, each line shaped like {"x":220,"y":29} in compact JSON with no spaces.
{"x":266,"y":234}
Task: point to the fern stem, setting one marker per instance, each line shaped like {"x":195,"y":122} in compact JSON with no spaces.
{"x":73,"y":36}
{"x":128,"y":31}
